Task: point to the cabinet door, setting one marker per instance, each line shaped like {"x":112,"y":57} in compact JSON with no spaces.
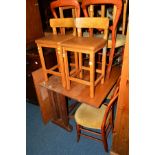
{"x":33,"y":21}
{"x":42,"y":95}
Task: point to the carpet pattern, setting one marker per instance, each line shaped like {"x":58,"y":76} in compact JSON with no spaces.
{"x":50,"y":139}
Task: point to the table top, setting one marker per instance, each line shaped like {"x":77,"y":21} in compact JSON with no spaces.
{"x":81,"y":92}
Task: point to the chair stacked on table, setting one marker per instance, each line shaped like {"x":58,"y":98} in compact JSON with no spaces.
{"x":77,"y":44}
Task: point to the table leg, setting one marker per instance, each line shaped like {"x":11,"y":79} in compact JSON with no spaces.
{"x":60,"y":113}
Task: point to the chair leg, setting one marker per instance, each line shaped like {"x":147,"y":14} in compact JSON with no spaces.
{"x":105,"y":144}
{"x":78,"y":132}
{"x":42,"y":62}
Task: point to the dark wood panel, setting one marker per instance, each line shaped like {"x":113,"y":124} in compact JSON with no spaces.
{"x":32,"y":64}
{"x":33,"y":21}
{"x":53,"y":105}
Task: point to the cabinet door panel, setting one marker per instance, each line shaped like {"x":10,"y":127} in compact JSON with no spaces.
{"x":42,"y":95}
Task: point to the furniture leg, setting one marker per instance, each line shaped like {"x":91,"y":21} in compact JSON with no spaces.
{"x":104,"y":139}
{"x":80,"y":65}
{"x":66,"y":69}
{"x":78,"y":132}
{"x":58,"y":60}
{"x":60,"y":55}
{"x":42,"y":62}
{"x":76,"y":62}
{"x":59,"y":110}
{"x":103,"y":64}
{"x":92,"y":73}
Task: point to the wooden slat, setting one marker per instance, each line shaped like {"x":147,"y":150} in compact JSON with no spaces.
{"x":76,"y":73}
{"x":91,"y":137}
{"x":72,"y":72}
{"x":62,"y":22}
{"x":92,"y":22}
{"x":79,"y":81}
{"x":53,"y":72}
{"x":98,"y":80}
{"x":54,"y":67}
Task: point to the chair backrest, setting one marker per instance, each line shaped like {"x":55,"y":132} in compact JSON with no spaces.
{"x":92,"y":22}
{"x":116,"y":3}
{"x":63,"y":5}
{"x":62,"y":22}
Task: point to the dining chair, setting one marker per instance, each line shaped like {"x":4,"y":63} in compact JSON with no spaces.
{"x":70,"y":5}
{"x":90,"y":46}
{"x":97,"y":122}
{"x":54,"y":40}
{"x":115,"y":40}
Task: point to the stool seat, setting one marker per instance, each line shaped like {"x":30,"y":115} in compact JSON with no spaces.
{"x":85,"y":43}
{"x":53,"y":40}
{"x":120,"y":39}
{"x":92,"y":117}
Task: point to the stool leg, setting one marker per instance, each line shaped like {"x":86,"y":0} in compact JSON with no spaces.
{"x":76,"y":62}
{"x":58,"y":60}
{"x":92,"y":73}
{"x":80,"y":65}
{"x":60,"y":55}
{"x":66,"y":69}
{"x":42,"y":62}
{"x":103,"y":64}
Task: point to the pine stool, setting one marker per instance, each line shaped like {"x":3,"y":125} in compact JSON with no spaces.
{"x":54,"y":41}
{"x":90,"y":46}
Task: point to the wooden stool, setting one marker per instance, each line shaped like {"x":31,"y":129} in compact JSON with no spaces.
{"x":115,"y":40}
{"x":87,"y":45}
{"x":54,"y":41}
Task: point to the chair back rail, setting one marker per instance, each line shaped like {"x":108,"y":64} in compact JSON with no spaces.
{"x":92,"y":22}
{"x":61,"y":22}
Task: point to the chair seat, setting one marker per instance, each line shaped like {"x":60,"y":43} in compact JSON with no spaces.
{"x":85,"y":43}
{"x":52,"y":39}
{"x":89,"y":116}
{"x":120,"y":39}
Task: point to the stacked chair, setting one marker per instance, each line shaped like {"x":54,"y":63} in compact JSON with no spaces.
{"x":54,"y":40}
{"x":77,"y":44}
